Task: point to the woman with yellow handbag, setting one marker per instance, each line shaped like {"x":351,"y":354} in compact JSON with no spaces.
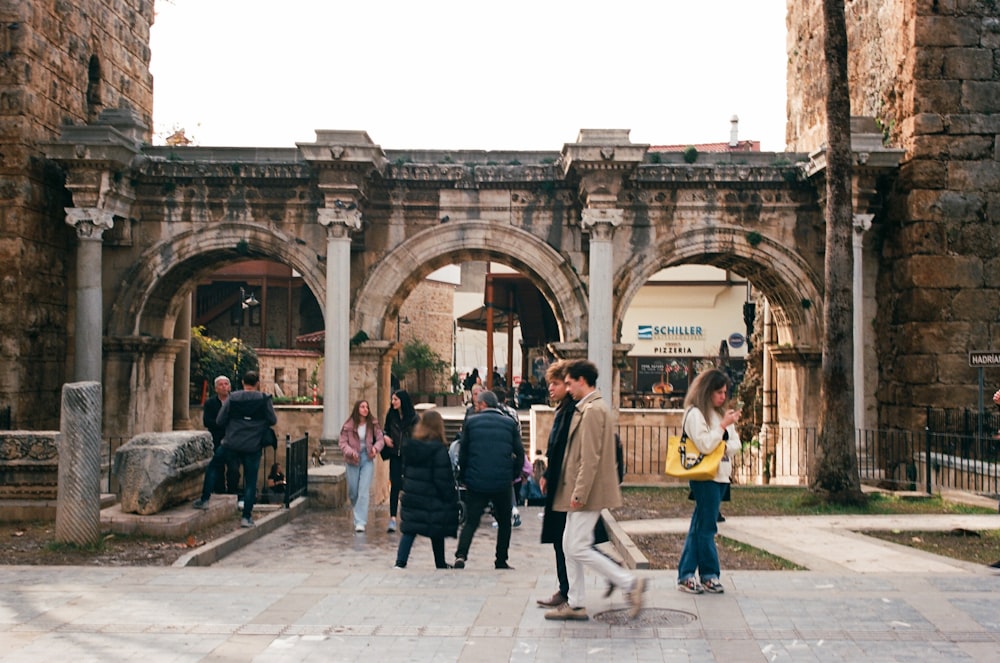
{"x":707,"y":425}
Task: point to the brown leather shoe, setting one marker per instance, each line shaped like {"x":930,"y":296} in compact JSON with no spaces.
{"x":554,"y":601}
{"x":566,"y":613}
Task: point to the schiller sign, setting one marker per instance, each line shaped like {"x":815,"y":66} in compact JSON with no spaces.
{"x":984,"y":359}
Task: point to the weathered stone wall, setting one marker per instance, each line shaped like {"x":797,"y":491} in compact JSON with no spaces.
{"x":429,"y":311}
{"x":929,"y":71}
{"x":60,"y":62}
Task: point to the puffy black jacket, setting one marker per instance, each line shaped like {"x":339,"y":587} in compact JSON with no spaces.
{"x":246,"y":415}
{"x":491,"y":454}
{"x":429,"y":505}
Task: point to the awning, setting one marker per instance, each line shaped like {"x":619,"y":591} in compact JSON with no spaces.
{"x":476,"y":319}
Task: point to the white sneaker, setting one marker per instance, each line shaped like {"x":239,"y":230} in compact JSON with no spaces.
{"x":239,"y":505}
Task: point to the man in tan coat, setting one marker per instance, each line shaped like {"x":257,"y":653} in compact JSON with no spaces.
{"x":587,"y":484}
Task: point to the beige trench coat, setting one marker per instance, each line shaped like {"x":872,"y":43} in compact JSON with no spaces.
{"x":589,"y":472}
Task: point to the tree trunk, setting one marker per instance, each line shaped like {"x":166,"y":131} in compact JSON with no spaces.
{"x":834,"y":473}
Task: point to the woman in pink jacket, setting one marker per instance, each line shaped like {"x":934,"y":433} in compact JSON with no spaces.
{"x":360,"y":441}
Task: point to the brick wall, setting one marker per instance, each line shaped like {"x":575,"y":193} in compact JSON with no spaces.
{"x":60,"y":62}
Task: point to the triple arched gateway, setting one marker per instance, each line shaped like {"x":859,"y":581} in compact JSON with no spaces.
{"x":588,"y":225}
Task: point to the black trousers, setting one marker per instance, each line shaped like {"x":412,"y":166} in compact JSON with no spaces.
{"x":475,"y":504}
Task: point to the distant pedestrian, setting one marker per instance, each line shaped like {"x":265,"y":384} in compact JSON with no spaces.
{"x":707,"y":425}
{"x":360,"y":441}
{"x":227,"y":481}
{"x":399,"y":423}
{"x":246,"y":415}
{"x":430,"y":501}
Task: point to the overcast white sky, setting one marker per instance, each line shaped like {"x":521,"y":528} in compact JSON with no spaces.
{"x":468,"y":74}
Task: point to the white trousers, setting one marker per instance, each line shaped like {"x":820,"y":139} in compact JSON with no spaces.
{"x":578,"y":542}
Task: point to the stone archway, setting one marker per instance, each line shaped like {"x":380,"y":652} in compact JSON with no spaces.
{"x":784,"y":277}
{"x":793,"y":291}
{"x":149,"y":302}
{"x":141,"y":342}
{"x":385,"y":288}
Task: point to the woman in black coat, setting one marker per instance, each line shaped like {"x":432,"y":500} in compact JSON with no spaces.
{"x":430,"y":501}
{"x":399,"y":423}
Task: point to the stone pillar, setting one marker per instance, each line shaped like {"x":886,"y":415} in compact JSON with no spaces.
{"x":862,"y":223}
{"x":182,"y":368}
{"x":78,"y":509}
{"x":90,"y":224}
{"x":600,"y":223}
{"x":339,"y":222}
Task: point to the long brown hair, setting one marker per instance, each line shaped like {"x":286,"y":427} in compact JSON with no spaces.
{"x":356,"y":415}
{"x":430,"y":427}
{"x":700,"y":392}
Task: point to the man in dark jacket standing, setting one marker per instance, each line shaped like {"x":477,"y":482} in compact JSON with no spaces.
{"x":228,"y":481}
{"x":554,"y":522}
{"x":490,"y":456}
{"x":246,"y":416}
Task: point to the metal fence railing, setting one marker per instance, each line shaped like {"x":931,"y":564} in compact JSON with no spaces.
{"x":296,"y":467}
{"x":925,"y":460}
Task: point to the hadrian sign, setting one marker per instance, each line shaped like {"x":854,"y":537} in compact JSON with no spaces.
{"x":988,"y":359}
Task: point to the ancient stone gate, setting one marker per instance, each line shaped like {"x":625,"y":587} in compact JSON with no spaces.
{"x":588,"y":225}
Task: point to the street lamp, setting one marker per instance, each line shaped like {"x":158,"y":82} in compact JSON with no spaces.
{"x":246,"y":302}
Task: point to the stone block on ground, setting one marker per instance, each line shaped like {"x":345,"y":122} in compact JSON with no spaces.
{"x":158,"y":470}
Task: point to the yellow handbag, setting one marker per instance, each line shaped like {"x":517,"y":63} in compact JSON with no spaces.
{"x":693,"y":466}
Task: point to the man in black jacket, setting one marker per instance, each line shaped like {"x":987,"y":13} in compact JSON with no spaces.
{"x":490,"y":456}
{"x":228,"y":481}
{"x":246,"y":416}
{"x":554,"y":522}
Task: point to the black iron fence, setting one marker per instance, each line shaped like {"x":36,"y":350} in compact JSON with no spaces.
{"x":947,"y":454}
{"x":296,"y":467}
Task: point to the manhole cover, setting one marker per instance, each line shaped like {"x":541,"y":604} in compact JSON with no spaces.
{"x":646,"y":617}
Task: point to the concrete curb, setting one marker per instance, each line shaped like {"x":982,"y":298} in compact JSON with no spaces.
{"x":215,"y":550}
{"x":631,"y":556}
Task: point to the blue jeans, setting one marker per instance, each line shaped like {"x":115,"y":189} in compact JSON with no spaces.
{"x":359,"y":488}
{"x":222,"y":459}
{"x":406,"y":543}
{"x":700,"y":553}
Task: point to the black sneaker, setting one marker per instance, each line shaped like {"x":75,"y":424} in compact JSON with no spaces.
{"x":459,"y":562}
{"x":503,"y":565}
{"x":713,"y":586}
{"x":200,"y":504}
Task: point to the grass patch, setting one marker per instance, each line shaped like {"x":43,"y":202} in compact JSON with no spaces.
{"x":981,"y":547}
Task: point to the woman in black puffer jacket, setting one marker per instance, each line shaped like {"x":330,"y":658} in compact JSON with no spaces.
{"x":429,"y":506}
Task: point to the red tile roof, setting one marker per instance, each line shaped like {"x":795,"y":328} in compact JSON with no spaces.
{"x":741,"y":146}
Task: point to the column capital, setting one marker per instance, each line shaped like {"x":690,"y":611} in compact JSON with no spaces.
{"x":341,"y":219}
{"x":90,"y":222}
{"x":862,"y":223}
{"x":600,"y":223}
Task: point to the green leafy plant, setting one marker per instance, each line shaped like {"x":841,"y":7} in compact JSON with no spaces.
{"x":691,"y":154}
{"x":212,"y":357}
{"x":418,"y":358}
{"x":754,"y":238}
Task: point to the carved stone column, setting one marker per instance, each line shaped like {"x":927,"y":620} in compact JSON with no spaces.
{"x":862,"y":223}
{"x":600,"y":223}
{"x":182,"y":368}
{"x":339,"y":221}
{"x":90,"y":224}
